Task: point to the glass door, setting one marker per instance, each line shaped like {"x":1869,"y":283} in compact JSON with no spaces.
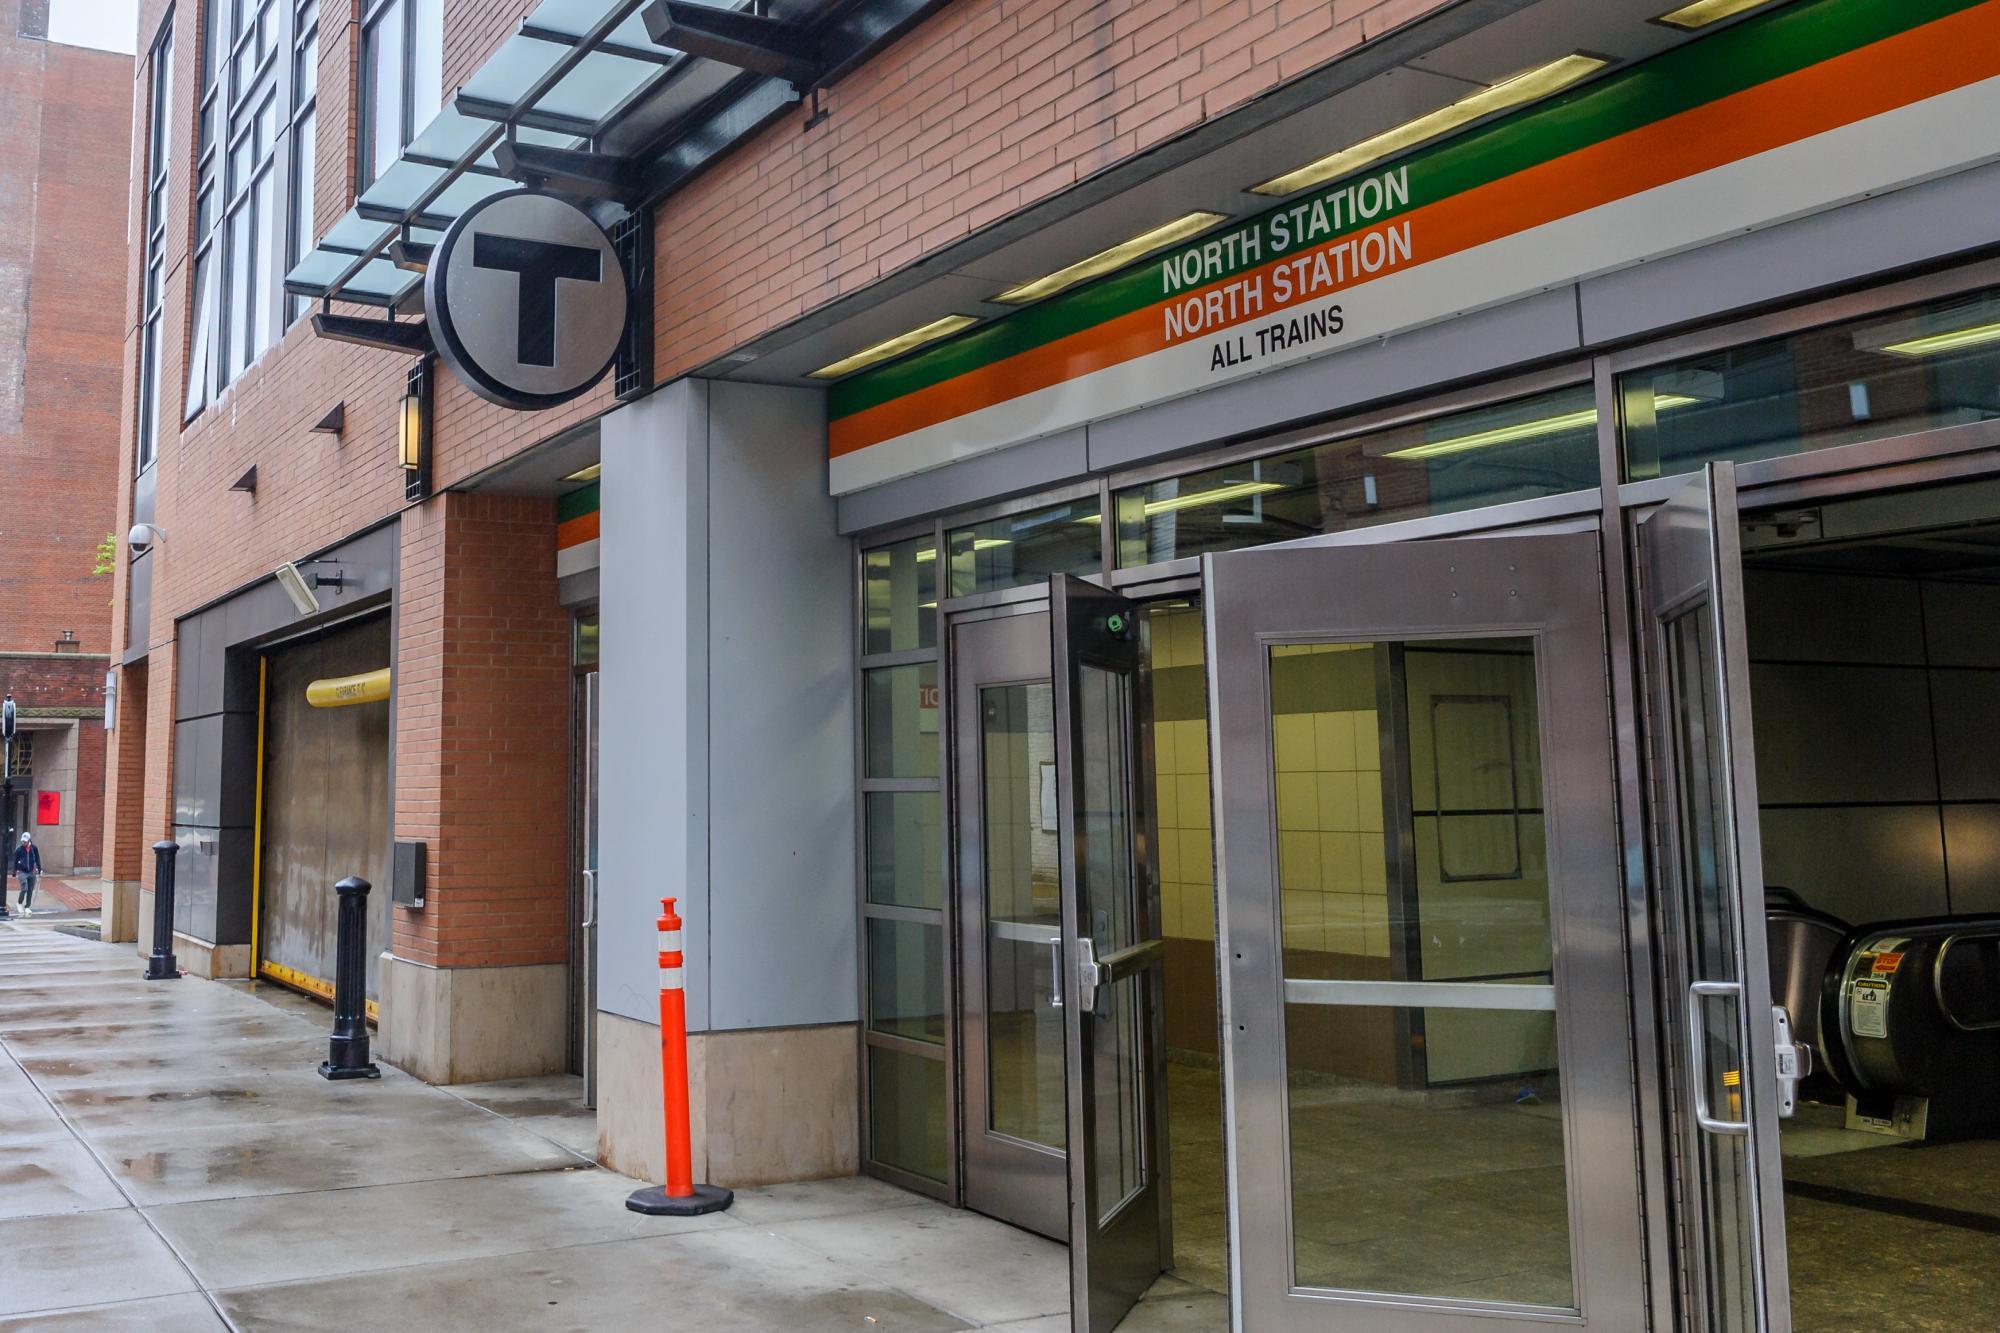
{"x":1735,"y":1046}
{"x":1427,"y":1053}
{"x":1010,"y":922}
{"x":1115,"y":1037}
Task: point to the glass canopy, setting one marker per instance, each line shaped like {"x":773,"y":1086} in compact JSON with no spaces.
{"x":545,"y":85}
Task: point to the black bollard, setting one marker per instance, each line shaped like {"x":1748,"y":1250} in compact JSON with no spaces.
{"x":162,"y":966}
{"x":347,"y":1050}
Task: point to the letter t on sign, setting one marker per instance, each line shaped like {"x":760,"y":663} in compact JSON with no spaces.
{"x":539,"y":264}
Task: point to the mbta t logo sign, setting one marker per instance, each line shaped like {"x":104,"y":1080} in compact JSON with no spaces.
{"x":527,"y":300}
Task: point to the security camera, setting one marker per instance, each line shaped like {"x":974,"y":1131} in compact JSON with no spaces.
{"x":141,"y":537}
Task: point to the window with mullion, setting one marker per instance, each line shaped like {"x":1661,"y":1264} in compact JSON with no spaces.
{"x":259,"y":71}
{"x":159,"y":144}
{"x":304,"y":119}
{"x":402,"y":80}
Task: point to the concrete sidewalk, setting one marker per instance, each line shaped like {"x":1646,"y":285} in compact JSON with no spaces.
{"x":173,"y":1162}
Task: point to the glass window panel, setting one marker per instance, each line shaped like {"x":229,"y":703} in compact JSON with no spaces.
{"x":199,"y":333}
{"x":1544,"y":445}
{"x":383,"y":63}
{"x":598,"y":84}
{"x":899,"y":596}
{"x":907,"y":1112}
{"x":1023,"y":913}
{"x":305,"y":74}
{"x":426,"y":61}
{"x":1910,"y":370}
{"x":1025,"y":548}
{"x":238,"y":305}
{"x":900,"y":711}
{"x":267,"y":260}
{"x":305,"y":152}
{"x":904,"y":852}
{"x":906,"y":979}
{"x":1456,"y":1103}
{"x":149,"y":401}
{"x":512,"y":69}
{"x":583,"y":643}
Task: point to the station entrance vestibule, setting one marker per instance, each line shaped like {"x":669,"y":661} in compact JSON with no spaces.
{"x":1359,"y":1045}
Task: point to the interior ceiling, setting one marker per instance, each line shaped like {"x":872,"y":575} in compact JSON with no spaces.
{"x":1948,"y":532}
{"x":1218,"y":181}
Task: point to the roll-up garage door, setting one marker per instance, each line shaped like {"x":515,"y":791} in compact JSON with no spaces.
{"x":325,"y":805}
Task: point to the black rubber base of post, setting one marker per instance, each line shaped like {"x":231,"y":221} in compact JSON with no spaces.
{"x":170,"y":971}
{"x":654,"y":1201}
{"x":328,"y":1069}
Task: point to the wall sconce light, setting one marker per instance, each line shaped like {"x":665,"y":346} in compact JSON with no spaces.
{"x":413,"y":431}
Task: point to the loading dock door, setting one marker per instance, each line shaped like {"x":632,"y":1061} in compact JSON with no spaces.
{"x":325,"y":806}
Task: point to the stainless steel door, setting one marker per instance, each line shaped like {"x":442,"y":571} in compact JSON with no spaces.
{"x":1728,"y":1045}
{"x":1430,"y":1107}
{"x":1010,"y":925}
{"x":1110,"y":917}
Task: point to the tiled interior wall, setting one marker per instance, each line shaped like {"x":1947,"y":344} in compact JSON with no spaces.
{"x":1872,"y":704}
{"x":1180,"y":775}
{"x":1331,"y":862}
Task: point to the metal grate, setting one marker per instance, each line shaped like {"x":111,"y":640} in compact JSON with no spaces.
{"x":632,"y":373}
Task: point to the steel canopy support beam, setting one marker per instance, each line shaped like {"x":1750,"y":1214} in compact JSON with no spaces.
{"x":567,"y":170}
{"x":410,"y":336}
{"x":747,"y":41}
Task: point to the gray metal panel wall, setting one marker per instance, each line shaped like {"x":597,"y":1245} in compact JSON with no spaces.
{"x":726,"y":746}
{"x":652,"y":816}
{"x":1022,"y":467}
{"x":1912,"y":226}
{"x":781,"y":721}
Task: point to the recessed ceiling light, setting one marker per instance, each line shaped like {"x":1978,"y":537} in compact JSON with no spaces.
{"x":1531,"y":86}
{"x":895,"y":347}
{"x":1704,"y":12}
{"x":1220,"y":495}
{"x":1119,"y":255}
{"x":590,"y":473}
{"x":1951,"y":341}
{"x":1526,"y":430}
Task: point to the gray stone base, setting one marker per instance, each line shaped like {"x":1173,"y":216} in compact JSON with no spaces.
{"x":118,"y":913}
{"x":765,"y":1105}
{"x":473,"y":1024}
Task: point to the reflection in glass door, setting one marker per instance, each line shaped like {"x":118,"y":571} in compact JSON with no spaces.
{"x":1010,"y":923}
{"x":1431,"y":1107}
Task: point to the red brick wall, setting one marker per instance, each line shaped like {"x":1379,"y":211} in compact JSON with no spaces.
{"x":983,"y":109}
{"x":124,"y":823}
{"x":482,"y":727}
{"x":62,"y":259}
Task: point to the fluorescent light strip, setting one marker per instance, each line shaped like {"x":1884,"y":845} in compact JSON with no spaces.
{"x":1933,"y":343}
{"x":894,"y":347}
{"x":1220,"y":495}
{"x":1104,"y":261}
{"x":1532,"y":86}
{"x":978,"y":544}
{"x":1704,"y":12}
{"x":590,"y":473}
{"x":1526,"y":430}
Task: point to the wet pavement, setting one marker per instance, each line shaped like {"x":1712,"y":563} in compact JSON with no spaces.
{"x":172,"y":1161}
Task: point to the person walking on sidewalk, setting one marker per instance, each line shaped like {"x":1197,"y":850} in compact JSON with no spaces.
{"x":28,"y":869}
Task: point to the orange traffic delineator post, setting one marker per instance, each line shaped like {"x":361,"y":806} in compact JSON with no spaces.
{"x":680,"y":1196}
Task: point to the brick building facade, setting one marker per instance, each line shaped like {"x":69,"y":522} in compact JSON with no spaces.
{"x":61,"y":339}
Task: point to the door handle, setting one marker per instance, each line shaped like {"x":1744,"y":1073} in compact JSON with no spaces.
{"x":1092,"y":971}
{"x":1794,"y":1061}
{"x":1055,"y":971}
{"x":1698,"y":1056}
{"x":589,"y":921}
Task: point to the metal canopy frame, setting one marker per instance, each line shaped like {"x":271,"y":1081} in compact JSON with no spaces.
{"x":669,"y":114}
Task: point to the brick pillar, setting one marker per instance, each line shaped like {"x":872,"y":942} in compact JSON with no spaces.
{"x":478,"y":983}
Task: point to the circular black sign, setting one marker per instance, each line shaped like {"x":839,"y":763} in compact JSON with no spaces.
{"x":527,"y":299}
